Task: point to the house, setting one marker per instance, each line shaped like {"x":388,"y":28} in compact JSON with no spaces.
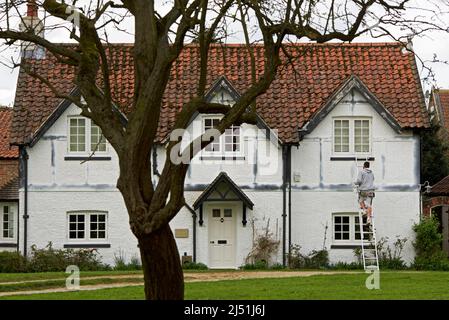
{"x":436,"y":203}
{"x":439,"y":109}
{"x":334,"y":107}
{"x":9,"y":185}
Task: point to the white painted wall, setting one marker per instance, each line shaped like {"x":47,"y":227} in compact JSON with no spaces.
{"x":57,"y":186}
{"x":325,"y":186}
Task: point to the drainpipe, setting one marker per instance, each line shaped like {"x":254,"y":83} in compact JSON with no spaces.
{"x":284,"y":204}
{"x":419,"y":178}
{"x":24,"y":160}
{"x":289,"y":179}
{"x":193,"y":230}
{"x":18,"y":227}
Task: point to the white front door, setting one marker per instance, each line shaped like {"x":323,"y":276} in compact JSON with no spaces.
{"x":222,"y":236}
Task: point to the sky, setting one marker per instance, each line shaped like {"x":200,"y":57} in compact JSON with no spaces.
{"x":428,"y":47}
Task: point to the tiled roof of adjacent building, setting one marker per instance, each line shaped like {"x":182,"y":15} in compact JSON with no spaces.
{"x":6,"y":151}
{"x":10,"y":189}
{"x":300,"y":89}
{"x":441,"y":99}
{"x":441,"y":187}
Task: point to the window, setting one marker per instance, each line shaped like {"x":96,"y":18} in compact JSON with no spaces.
{"x":229,"y":142}
{"x":346,"y":228}
{"x":352,"y":136}
{"x":77,"y":135}
{"x":8,"y":222}
{"x":87,"y":226}
{"x":341,"y":135}
{"x":210,"y":123}
{"x":85,"y":136}
{"x":232,"y":139}
{"x":97,"y":226}
{"x":98,"y":142}
{"x":341,"y":228}
{"x":77,"y":226}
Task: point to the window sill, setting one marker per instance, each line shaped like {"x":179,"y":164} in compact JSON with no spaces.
{"x":8,"y":244}
{"x":222,"y":158}
{"x":349,"y":246}
{"x":339,"y":158}
{"x":87,"y":245}
{"x":87,"y":158}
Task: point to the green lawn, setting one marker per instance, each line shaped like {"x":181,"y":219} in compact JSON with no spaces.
{"x":394,"y":285}
{"x":13,"y":277}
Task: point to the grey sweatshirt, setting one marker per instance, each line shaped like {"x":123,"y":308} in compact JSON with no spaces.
{"x":365,"y":180}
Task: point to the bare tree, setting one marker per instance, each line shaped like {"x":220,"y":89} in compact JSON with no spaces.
{"x":158,"y":41}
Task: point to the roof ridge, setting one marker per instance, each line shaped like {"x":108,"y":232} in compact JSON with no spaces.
{"x":241,"y":44}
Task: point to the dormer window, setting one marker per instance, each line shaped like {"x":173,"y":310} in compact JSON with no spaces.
{"x":85,"y":136}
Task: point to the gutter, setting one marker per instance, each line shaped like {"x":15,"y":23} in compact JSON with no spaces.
{"x":194,"y":216}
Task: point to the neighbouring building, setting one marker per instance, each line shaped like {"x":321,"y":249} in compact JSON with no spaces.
{"x":9,"y":185}
{"x":439,"y":109}
{"x":332,"y":108}
{"x":436,"y":203}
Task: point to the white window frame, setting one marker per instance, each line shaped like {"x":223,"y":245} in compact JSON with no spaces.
{"x":352,"y":136}
{"x":353,"y":228}
{"x":88,"y":138}
{"x":13,"y":224}
{"x":87,"y":214}
{"x":222,"y":142}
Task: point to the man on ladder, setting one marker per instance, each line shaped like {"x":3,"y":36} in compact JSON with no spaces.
{"x":365,"y":184}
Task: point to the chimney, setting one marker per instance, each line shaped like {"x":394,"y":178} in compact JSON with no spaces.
{"x":32,"y":8}
{"x":32,"y":24}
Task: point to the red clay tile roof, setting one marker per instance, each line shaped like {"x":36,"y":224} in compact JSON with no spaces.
{"x":441,"y":187}
{"x":300,"y":89}
{"x":6,"y":151}
{"x":442,"y":99}
{"x":9,"y":179}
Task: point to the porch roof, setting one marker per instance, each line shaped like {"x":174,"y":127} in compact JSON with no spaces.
{"x":223,"y":178}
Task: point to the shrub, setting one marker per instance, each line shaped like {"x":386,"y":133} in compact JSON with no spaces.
{"x":316,"y":259}
{"x":391,"y":258}
{"x":429,"y":252}
{"x":346,"y":266}
{"x":12,"y":262}
{"x":264,"y":247}
{"x":258,"y":265}
{"x":278,"y":266}
{"x":194,"y":266}
{"x":49,"y":259}
{"x":120,"y":263}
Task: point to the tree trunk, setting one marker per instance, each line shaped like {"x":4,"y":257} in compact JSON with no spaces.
{"x":164,"y":279}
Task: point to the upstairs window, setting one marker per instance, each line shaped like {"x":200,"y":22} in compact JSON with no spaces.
{"x":352,"y":136}
{"x":85,"y":136}
{"x":77,"y":135}
{"x":228,"y":143}
{"x":97,"y":140}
